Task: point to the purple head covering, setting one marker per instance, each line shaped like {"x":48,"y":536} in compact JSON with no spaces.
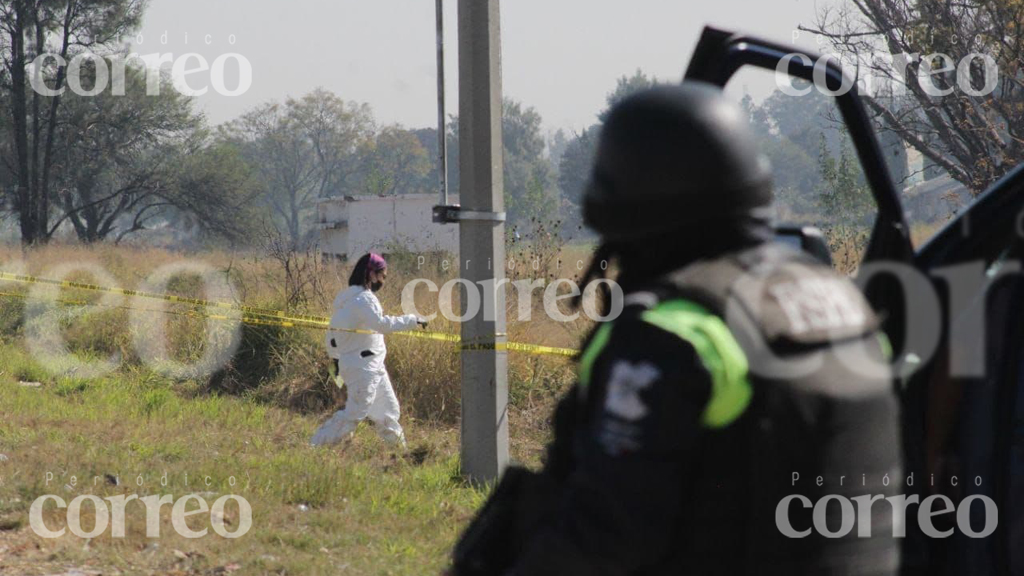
{"x":376,"y":262}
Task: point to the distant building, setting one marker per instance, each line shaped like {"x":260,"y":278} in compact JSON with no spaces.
{"x":915,"y":166}
{"x":354,"y":225}
{"x":920,"y":169}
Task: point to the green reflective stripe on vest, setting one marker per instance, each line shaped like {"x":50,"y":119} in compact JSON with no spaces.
{"x":593,"y":350}
{"x":886,"y":345}
{"x":719,"y":352}
{"x":715,"y":345}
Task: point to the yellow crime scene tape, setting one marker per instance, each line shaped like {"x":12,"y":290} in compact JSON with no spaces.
{"x":254,"y":315}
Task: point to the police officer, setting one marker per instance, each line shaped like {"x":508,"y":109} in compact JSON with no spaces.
{"x":725,"y":421}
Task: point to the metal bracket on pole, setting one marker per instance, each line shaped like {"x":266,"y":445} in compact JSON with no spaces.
{"x":454,"y":214}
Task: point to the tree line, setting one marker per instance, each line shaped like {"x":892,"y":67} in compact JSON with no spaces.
{"x":105,"y":166}
{"x":108,"y":167}
{"x":126,"y":160}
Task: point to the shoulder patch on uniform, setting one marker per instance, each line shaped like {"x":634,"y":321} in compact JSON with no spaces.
{"x":625,"y":383}
{"x":820,"y":303}
{"x":804,"y":304}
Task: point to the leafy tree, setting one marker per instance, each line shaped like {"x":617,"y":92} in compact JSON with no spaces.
{"x":428,"y":139}
{"x":787,"y":138}
{"x":336,"y":131}
{"x":557,"y":143}
{"x":576,"y":163}
{"x":794,"y":132}
{"x":116,"y":157}
{"x":578,"y":157}
{"x":302,"y":150}
{"x":759,"y":118}
{"x":843,"y":192}
{"x":213,"y":188}
{"x":528,"y":178}
{"x":846,"y":203}
{"x":625,"y":86}
{"x":29,"y":28}
{"x":803,"y":119}
{"x":277,"y":148}
{"x":529,"y":190}
{"x":395,"y":162}
{"x":117,"y":161}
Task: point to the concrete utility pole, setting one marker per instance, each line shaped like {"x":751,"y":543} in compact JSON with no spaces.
{"x":482,"y":242}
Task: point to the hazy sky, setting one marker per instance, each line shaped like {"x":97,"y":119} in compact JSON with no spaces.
{"x":560,"y":56}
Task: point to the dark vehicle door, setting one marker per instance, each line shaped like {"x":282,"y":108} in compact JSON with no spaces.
{"x":961,"y":387}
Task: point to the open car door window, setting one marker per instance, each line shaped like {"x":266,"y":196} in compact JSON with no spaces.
{"x":717,"y":58}
{"x":720,"y":54}
{"x":819,"y":187}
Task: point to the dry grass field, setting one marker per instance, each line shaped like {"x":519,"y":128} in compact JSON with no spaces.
{"x":93,"y":413}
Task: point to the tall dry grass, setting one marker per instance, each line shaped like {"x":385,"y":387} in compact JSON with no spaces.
{"x":288,"y":366}
{"x":352,"y":509}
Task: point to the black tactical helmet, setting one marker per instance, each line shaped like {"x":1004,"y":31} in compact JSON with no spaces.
{"x":671,"y":157}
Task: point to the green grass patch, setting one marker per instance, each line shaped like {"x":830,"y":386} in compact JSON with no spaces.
{"x":363,"y":508}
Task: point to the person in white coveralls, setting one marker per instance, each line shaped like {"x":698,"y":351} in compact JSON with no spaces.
{"x":355,"y":341}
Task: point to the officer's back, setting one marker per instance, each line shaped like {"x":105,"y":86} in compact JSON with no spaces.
{"x":726,"y":420}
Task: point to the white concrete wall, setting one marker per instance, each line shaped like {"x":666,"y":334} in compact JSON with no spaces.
{"x":915,"y":167}
{"x":372,"y":223}
{"x":332,"y":218}
{"x":334,"y":242}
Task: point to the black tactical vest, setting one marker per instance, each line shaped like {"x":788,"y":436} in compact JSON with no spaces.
{"x":823,"y":410}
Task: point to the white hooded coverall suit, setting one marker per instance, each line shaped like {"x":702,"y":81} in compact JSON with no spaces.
{"x":360,"y":359}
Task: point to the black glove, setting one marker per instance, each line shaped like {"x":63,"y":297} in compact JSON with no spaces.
{"x":422,"y":322}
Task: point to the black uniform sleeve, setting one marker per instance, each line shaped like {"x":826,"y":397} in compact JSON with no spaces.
{"x":619,"y":506}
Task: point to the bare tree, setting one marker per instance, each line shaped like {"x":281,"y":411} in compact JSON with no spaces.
{"x":930,"y":62}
